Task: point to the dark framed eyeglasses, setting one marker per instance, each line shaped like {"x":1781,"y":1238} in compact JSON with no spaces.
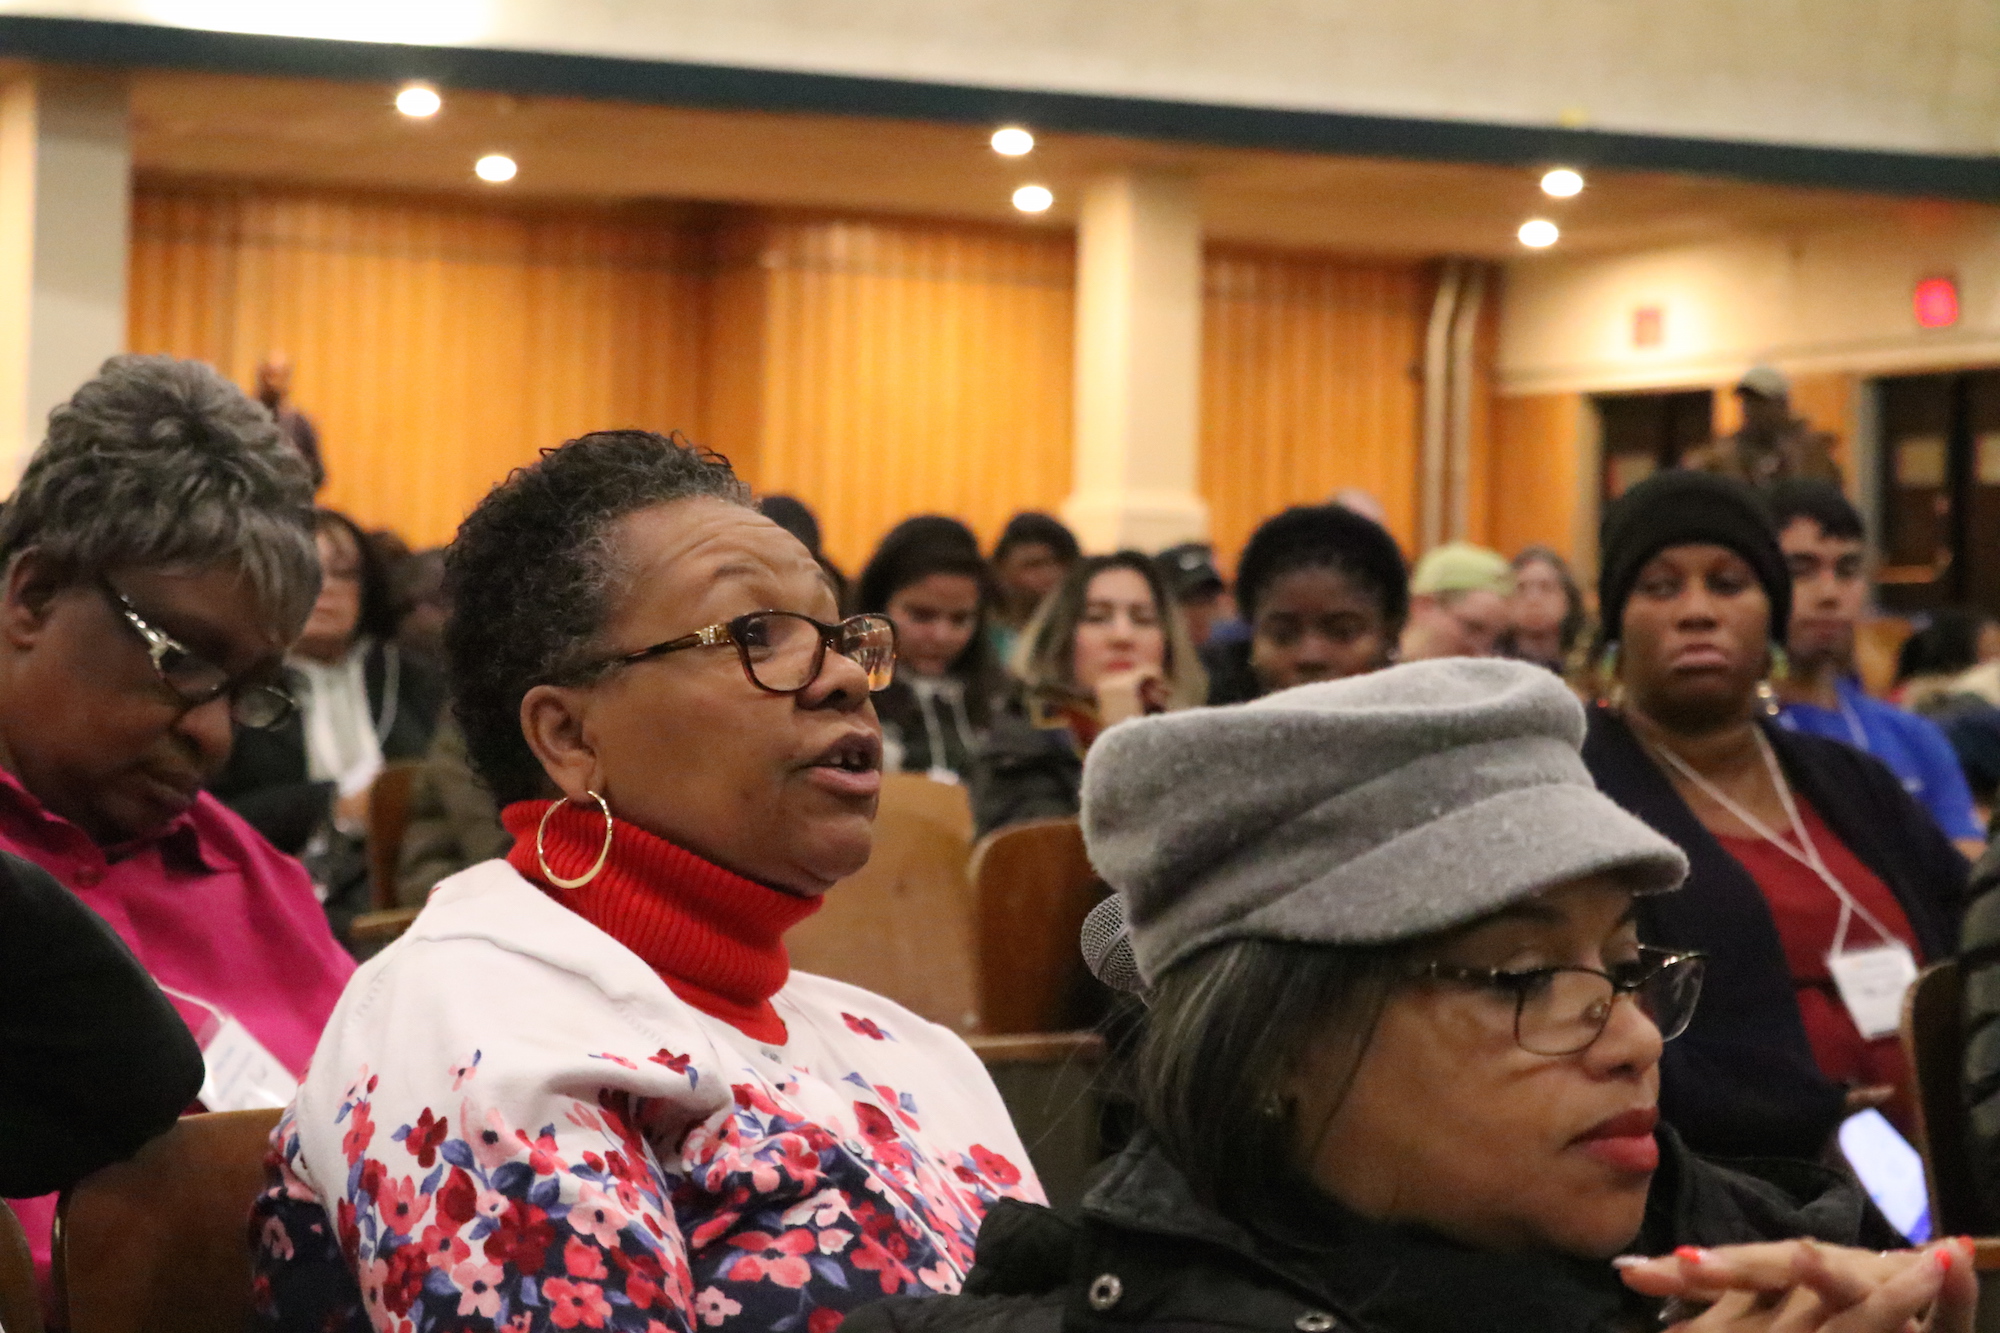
{"x":195,"y":680}
{"x":782,"y":651}
{"x":1563,"y":1010}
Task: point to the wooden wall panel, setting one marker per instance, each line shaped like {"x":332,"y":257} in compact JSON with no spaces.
{"x":906,"y":368}
{"x":1539,"y":475}
{"x":1309,"y":384}
{"x":437,"y":343}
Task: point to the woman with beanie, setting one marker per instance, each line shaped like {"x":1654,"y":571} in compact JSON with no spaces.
{"x":586,"y":1090}
{"x":1818,"y":887}
{"x":1108,"y":644}
{"x":929,"y":578}
{"x":1325,"y":593}
{"x":1402,"y":1051}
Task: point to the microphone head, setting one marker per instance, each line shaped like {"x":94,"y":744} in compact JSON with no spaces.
{"x":1107,"y":947}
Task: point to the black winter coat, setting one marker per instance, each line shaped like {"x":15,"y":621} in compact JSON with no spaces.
{"x":1742,"y":1082}
{"x":266,"y":778}
{"x":1025,"y":772}
{"x":1145,"y":1255}
{"x":1979,"y":979}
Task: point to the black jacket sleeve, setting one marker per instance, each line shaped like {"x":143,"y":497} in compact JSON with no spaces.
{"x":93,"y":1058}
{"x":1024,"y":772}
{"x":1979,"y":976}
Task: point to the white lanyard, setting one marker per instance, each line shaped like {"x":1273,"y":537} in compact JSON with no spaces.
{"x":1856,"y":733}
{"x":1806,"y":854}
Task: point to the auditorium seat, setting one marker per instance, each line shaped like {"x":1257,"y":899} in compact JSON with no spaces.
{"x":1034,"y":886}
{"x":388,"y":819}
{"x":160,"y":1243}
{"x":903,"y":926}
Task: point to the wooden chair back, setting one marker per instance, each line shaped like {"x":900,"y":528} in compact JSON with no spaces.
{"x":1051,"y":1085}
{"x":20,"y":1302}
{"x":1934,"y":1044}
{"x":1034,"y":886}
{"x":161,"y":1243}
{"x":903,"y":925}
{"x":388,"y":818}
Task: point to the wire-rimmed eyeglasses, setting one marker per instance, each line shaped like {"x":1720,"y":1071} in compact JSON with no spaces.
{"x":782,"y":651}
{"x":1563,"y":1010}
{"x":194,"y":680}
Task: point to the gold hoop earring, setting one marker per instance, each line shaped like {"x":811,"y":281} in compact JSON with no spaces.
{"x":603,"y":853}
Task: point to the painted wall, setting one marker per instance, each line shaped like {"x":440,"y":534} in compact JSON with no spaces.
{"x":1829,"y":300}
{"x":1911,"y":75}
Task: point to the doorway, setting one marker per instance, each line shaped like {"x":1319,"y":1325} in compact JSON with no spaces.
{"x":1644,"y":433}
{"x":1940,"y":487}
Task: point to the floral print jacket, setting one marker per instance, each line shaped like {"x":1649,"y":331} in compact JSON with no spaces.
{"x":512,"y":1123}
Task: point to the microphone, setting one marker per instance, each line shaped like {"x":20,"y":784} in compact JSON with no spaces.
{"x":1107,"y":947}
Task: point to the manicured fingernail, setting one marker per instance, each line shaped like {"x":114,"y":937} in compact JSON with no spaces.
{"x":1944,"y":1258}
{"x":1689,"y":1254}
{"x":1629,"y":1261}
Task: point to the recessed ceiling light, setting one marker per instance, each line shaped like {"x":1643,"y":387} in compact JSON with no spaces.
{"x":1538,"y":233}
{"x":1013,"y":141}
{"x":1033,"y":198}
{"x":1562,"y":183}
{"x":495,"y":167}
{"x":418,"y":100}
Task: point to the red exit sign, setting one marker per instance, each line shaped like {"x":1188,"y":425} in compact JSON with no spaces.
{"x":1935,"y":302}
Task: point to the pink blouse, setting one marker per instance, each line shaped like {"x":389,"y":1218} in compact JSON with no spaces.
{"x":212,"y":911}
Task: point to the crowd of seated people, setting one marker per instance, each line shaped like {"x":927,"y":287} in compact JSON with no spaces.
{"x":1359,"y":862}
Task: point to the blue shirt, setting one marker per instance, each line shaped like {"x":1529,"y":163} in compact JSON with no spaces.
{"x":1914,"y":748}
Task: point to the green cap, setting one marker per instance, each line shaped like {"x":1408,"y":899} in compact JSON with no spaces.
{"x":1462,"y":567}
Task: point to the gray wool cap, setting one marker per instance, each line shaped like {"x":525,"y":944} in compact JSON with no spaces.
{"x":1360,"y":811}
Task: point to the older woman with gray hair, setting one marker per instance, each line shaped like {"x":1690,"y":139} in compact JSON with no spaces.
{"x":1390,"y":1079}
{"x":158,"y":559}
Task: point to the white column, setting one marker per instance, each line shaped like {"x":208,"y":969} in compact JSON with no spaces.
{"x":1138,"y":364}
{"x":65,"y":225}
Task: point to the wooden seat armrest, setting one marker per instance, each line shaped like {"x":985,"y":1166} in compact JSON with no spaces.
{"x":1018,"y":1048}
{"x":381,"y":927}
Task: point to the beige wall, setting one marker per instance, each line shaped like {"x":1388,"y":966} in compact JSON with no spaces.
{"x":1831,"y":300}
{"x":1909,"y":75}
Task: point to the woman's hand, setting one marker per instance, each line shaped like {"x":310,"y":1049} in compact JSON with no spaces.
{"x":1131,"y":694}
{"x":1801,"y":1286}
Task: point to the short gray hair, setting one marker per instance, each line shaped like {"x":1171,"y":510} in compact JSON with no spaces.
{"x":159,"y":461}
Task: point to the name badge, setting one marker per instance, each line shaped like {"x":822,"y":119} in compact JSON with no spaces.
{"x":1872,"y":983}
{"x":239,"y":1074}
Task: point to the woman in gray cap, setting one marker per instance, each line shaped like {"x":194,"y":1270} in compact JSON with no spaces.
{"x":1383,"y":927}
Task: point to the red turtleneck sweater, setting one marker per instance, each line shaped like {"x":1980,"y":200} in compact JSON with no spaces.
{"x":715,"y":938}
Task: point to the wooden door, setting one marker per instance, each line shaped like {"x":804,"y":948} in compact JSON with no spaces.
{"x":1924,"y":469}
{"x":1644,"y":433}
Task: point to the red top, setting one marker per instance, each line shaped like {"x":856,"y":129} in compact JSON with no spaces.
{"x":1807,"y":914}
{"x":715,"y":938}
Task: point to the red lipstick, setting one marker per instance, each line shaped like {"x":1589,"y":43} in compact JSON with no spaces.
{"x":1625,"y":1142}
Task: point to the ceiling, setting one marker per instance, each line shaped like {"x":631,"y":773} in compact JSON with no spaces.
{"x":348,"y":134}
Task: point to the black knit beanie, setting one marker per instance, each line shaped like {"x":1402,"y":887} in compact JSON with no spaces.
{"x":1682,"y":508}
